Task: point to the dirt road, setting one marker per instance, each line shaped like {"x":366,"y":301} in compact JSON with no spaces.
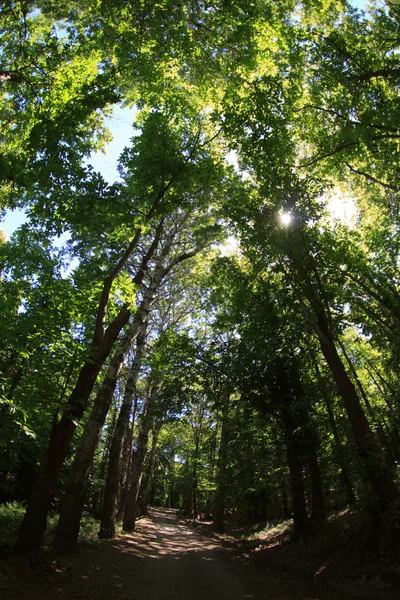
{"x":164,"y":560}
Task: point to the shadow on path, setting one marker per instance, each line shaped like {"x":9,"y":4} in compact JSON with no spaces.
{"x":163,"y":559}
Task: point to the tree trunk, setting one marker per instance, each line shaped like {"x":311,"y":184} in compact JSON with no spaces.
{"x":195,"y":482}
{"x":390,"y":461}
{"x":379,"y":477}
{"x":300,"y":517}
{"x":351,"y":498}
{"x":222,"y":464}
{"x":126,"y":459}
{"x":71,"y":509}
{"x":69,"y":522}
{"x":137,"y":471}
{"x":35,"y":519}
{"x":284,"y":499}
{"x":391,"y":389}
{"x":340,"y":457}
{"x":34,"y":523}
{"x":152,"y":463}
{"x":187,"y":499}
{"x":107,"y":526}
{"x":317,"y":493}
{"x":381,"y":391}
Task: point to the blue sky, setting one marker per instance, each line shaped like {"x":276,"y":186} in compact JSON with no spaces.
{"x":120,"y":125}
{"x":358,"y":3}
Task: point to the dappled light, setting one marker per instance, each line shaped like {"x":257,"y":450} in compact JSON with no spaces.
{"x":156,"y":538}
{"x":165,"y":558}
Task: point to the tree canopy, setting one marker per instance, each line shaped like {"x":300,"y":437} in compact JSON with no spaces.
{"x":210,"y":299}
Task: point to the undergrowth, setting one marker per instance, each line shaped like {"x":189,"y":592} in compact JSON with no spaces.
{"x":270,"y":528}
{"x":12,"y":513}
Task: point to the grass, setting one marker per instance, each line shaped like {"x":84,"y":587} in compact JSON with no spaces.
{"x":259,"y":531}
{"x":270,"y":529}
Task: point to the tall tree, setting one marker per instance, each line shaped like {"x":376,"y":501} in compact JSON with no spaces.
{"x":166,"y":185}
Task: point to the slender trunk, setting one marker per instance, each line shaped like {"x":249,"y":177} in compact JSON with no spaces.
{"x":380,"y":479}
{"x":391,"y":389}
{"x":125,"y":466}
{"x":222,"y":464}
{"x":71,"y":509}
{"x":187,"y":500}
{"x":172,"y":495}
{"x":388,"y":302}
{"x":284,"y":499}
{"x":152,"y":463}
{"x":69,"y":522}
{"x":128,"y":470}
{"x":339,"y":450}
{"x":137,"y":471}
{"x":194,"y":510}
{"x":34,"y":523}
{"x":381,"y":482}
{"x":381,"y":391}
{"x":317,"y":493}
{"x":300,"y":517}
{"x":97,"y":499}
{"x":107,"y":526}
{"x":394,"y":429}
{"x":374,"y":419}
{"x":351,"y":498}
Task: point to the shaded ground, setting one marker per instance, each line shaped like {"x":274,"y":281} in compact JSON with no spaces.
{"x":346,"y":557}
{"x":165,"y":559}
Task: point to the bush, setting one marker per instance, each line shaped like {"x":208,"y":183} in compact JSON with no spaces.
{"x":89,"y":529}
{"x":12,"y":513}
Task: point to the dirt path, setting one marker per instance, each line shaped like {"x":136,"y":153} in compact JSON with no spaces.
{"x":164,"y":560}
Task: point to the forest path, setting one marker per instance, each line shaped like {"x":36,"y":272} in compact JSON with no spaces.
{"x":163,"y":560}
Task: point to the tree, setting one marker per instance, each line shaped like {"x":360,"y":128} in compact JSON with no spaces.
{"x":172,"y":175}
{"x":306,"y":97}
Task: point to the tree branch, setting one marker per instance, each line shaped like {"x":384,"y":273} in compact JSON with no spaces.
{"x":373,"y":179}
{"x":346,"y":145}
{"x":386,"y":73}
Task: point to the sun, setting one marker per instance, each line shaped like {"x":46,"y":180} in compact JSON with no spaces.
{"x":285,"y":218}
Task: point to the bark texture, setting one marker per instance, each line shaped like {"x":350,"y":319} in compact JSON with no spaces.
{"x":108,"y":515}
{"x":144,"y":499}
{"x":72,"y":506}
{"x":380,"y":479}
{"x":300,"y":517}
{"x":380,"y":431}
{"x":318,"y":512}
{"x":351,"y":498}
{"x":130,"y":513}
{"x":34,"y":523}
{"x":222,"y":464}
{"x":126,"y":461}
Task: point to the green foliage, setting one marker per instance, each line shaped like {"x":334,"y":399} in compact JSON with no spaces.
{"x":12,"y":513}
{"x":306,"y":95}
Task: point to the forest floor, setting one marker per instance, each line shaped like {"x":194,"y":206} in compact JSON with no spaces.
{"x":345,"y":557}
{"x":168,"y":559}
{"x":164,"y":559}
